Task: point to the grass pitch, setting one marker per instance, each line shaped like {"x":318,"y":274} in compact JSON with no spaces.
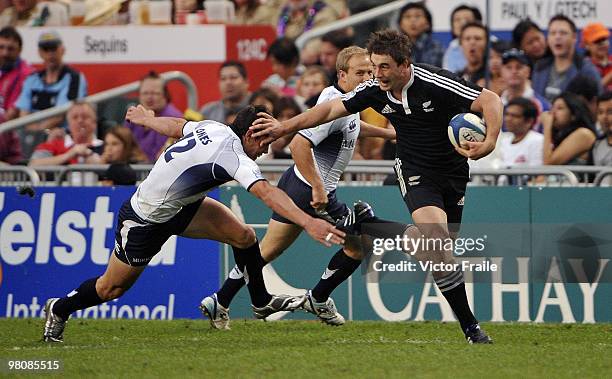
{"x":308,"y":349}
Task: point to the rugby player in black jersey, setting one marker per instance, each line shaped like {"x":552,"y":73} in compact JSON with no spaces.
{"x":419,"y":100}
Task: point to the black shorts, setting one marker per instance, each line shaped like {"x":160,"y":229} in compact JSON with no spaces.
{"x":419,"y":190}
{"x":301,"y":194}
{"x":137,"y":241}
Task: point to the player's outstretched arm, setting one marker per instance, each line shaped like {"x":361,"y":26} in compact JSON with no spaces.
{"x":491,"y":107}
{"x":168,"y":126}
{"x":271,"y":129}
{"x":302,"y":156}
{"x":369,"y":130}
{"x":280,"y":203}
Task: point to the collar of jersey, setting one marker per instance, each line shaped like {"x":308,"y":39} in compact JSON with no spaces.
{"x":404,"y":101}
{"x":337,"y":86}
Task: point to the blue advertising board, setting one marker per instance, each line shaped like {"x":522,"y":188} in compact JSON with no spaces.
{"x":52,"y":242}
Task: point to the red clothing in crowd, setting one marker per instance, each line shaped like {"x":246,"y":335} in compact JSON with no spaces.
{"x":11,"y":82}
{"x":58,"y":146}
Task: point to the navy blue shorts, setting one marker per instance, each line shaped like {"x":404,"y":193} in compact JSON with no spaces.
{"x":301,"y":194}
{"x":137,"y":241}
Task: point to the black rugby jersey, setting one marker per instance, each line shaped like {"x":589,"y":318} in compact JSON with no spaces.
{"x":429,"y":100}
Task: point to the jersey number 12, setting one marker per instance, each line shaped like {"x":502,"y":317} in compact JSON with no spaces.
{"x":176,"y":148}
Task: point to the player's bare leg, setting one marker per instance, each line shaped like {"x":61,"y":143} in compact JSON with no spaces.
{"x":278,"y":238}
{"x":117,"y":279}
{"x":432,"y":224}
{"x":215,"y":221}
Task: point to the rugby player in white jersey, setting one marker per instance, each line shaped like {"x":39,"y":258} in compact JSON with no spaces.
{"x":321,"y":155}
{"x":172,"y":201}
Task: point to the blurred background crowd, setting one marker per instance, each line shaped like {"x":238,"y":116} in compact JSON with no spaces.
{"x":554,"y":80}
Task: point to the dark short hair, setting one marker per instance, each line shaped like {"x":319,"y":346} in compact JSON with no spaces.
{"x":155,"y":75}
{"x":418,"y":5}
{"x":390,"y":42}
{"x":475,"y":11}
{"x":562,"y":17}
{"x":9,"y":32}
{"x":530,"y":111}
{"x":606,"y":96}
{"x":583,"y":85}
{"x":476,"y":24}
{"x":239,"y":66}
{"x":245,"y":118}
{"x":284,"y":51}
{"x":519,"y":31}
{"x":339,"y":38}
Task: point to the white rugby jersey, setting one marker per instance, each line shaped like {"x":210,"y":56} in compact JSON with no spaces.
{"x":208,"y":155}
{"x":333,"y":143}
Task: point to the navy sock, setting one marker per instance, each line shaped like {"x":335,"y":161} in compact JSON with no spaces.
{"x":231,"y":286}
{"x":250,"y":258}
{"x":83,"y":297}
{"x":340,"y":267}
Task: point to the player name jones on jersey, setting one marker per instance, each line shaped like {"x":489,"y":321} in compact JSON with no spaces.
{"x":202,"y":136}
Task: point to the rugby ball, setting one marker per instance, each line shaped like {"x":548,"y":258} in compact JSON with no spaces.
{"x":466,"y":127}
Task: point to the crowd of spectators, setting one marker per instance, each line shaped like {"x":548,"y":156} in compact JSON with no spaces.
{"x":555,"y":86}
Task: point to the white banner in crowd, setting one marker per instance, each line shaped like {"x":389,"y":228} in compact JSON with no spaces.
{"x":130,"y":44}
{"x":506,"y":13}
{"x":207,"y":43}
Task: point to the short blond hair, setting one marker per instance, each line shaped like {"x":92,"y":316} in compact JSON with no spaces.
{"x":342,"y":61}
